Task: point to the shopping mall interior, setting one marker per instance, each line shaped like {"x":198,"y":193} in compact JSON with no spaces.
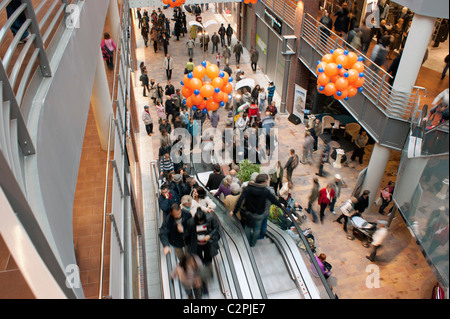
{"x":95,"y":92}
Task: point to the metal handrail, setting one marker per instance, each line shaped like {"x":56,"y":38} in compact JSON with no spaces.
{"x":395,"y":104}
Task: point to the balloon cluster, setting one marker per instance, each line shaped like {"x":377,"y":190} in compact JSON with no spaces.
{"x":250,"y":1}
{"x":340,"y":74}
{"x":174,"y":3}
{"x":206,"y":95}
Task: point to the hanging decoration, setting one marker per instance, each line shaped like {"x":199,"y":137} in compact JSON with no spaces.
{"x":174,"y":3}
{"x":340,"y":74}
{"x":250,"y":1}
{"x":206,"y":95}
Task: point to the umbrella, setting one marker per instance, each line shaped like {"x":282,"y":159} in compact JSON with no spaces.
{"x":250,"y":83}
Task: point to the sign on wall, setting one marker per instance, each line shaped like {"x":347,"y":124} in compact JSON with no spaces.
{"x":299,"y":102}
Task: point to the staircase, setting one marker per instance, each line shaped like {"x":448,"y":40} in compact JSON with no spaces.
{"x":275,"y":276}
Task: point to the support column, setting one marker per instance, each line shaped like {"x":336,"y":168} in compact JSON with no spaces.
{"x":101,"y":102}
{"x":114,"y":20}
{"x":375,"y":171}
{"x":287,"y":68}
{"x":419,"y":36}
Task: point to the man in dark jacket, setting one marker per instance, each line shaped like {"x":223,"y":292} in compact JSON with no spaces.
{"x":222,"y":33}
{"x":203,"y":236}
{"x":215,"y":178}
{"x":363,"y":202}
{"x":229,"y":34}
{"x":167,"y":199}
{"x":255,"y":196}
{"x":173,"y":231}
{"x":215,"y":43}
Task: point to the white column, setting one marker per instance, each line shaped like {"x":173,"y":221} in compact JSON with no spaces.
{"x":101,"y":101}
{"x":114,"y":20}
{"x":415,"y":47}
{"x":375,"y":171}
{"x":408,"y":178}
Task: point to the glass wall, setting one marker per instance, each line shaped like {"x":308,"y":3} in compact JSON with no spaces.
{"x":421,"y":193}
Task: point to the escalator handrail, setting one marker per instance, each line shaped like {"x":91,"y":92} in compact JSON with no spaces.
{"x":310,"y":253}
{"x":246,"y":243}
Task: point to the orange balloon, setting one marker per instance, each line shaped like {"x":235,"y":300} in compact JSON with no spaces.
{"x":342,"y":96}
{"x":352,"y":91}
{"x":358,"y":66}
{"x":189,"y":102}
{"x":195,"y":84}
{"x":227,"y":88}
{"x":342,"y":72}
{"x":352,"y":58}
{"x":329,"y":89}
{"x":186,"y":81}
{"x":196,"y":99}
{"x":341,"y":84}
{"x":327,"y":58}
{"x":199,"y":72}
{"x":320,"y":65}
{"x":218,"y":97}
{"x":337,"y":53}
{"x":342,"y":60}
{"x":225,"y":78}
{"x":331,"y":69}
{"x":202,"y":105}
{"x":211,"y":105}
{"x":323,"y":79}
{"x":217,"y":83}
{"x":352,"y":75}
{"x":207,"y":90}
{"x":358,"y":83}
{"x":212,"y":71}
{"x":335,"y":78}
{"x":186,"y":92}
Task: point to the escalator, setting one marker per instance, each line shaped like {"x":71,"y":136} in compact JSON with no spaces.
{"x":280,"y":268}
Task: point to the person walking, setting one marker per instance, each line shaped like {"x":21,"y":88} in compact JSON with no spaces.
{"x":291,"y":164}
{"x":262,"y":100}
{"x":145,"y":33}
{"x":270,"y":92}
{"x":168,"y":66}
{"x":363,"y":202}
{"x":222,"y":32}
{"x":444,"y":72}
{"x":229,"y":33}
{"x":144,"y":81}
{"x":189,"y":272}
{"x":347,"y":211}
{"x":360,"y":145}
{"x":165,"y":43}
{"x":342,"y":22}
{"x":108,"y":46}
{"x":215,"y":43}
{"x":324,"y":158}
{"x":315,"y":192}
{"x":190,"y":47}
{"x":276,"y":177}
{"x":377,"y":239}
{"x":147,"y":119}
{"x":325,"y":28}
{"x":238,"y":50}
{"x":226,"y":53}
{"x":172,"y":232}
{"x":254,"y":56}
{"x":308,"y":145}
{"x":326,"y":195}
{"x":338,"y":184}
{"x":20,"y":20}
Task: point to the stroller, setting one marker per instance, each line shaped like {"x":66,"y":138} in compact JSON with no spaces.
{"x":296,"y":209}
{"x":362,"y":229}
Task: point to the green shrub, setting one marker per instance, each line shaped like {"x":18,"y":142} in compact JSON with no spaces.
{"x":246,"y":169}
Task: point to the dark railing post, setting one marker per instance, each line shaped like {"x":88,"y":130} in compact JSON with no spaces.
{"x":43,"y":59}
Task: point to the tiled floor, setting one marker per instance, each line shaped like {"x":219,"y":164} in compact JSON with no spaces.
{"x":403,"y":271}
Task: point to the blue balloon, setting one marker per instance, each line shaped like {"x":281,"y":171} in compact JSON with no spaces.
{"x":194,"y":108}
{"x":182,"y":84}
{"x":360,"y":59}
{"x":217,"y":90}
{"x":221,"y":74}
{"x":222,"y":103}
{"x":190,"y":75}
{"x":360,"y":89}
{"x":318,"y":62}
{"x":320,"y":70}
{"x":230,"y":96}
{"x":339,"y":66}
{"x":346,"y":52}
{"x":339,"y":93}
{"x":321,"y":88}
{"x":361,"y":75}
{"x":196,"y":92}
{"x":184,"y":101}
{"x":346,"y":99}
{"x":332,"y":51}
{"x":204,"y":64}
{"x":205,"y":111}
{"x":230,"y":79}
{"x":346,"y":75}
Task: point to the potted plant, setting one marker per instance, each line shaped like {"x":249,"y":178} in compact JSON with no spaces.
{"x":246,"y":169}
